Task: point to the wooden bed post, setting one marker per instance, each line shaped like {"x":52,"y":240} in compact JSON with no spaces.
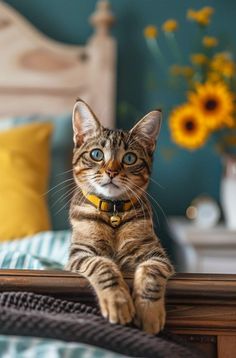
{"x":102,"y":54}
{"x":42,"y":76}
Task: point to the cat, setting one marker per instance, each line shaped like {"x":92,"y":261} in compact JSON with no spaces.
{"x":111,"y":219}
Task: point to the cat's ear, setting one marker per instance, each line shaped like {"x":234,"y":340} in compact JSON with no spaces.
{"x":85,"y":124}
{"x":148,"y":128}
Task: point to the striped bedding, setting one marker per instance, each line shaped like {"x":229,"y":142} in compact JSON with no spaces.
{"x":45,"y":250}
{"x":28,"y":347}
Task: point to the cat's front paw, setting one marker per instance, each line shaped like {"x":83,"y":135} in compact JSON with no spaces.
{"x":116,"y":305}
{"x":150,"y":316}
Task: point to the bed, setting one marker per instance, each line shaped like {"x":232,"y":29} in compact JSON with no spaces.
{"x":40,"y":77}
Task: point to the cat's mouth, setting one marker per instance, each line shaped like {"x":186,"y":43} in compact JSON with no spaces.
{"x":110,"y":184}
{"x":109,"y":189}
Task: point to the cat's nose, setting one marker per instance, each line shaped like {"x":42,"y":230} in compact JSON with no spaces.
{"x":111,"y":173}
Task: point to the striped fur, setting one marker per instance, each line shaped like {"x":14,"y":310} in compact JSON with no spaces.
{"x":101,"y":253}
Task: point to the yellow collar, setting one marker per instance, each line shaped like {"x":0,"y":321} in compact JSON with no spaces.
{"x":112,"y":206}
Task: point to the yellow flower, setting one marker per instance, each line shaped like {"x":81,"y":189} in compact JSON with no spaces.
{"x":199,"y":59}
{"x":222,"y":56}
{"x":229,"y":121}
{"x":223,"y":64}
{"x":170,"y":25}
{"x":209,"y":41}
{"x":187,"y":71}
{"x":207,"y":10}
{"x":218,"y":61}
{"x":187,"y":127}
{"x":213,"y":76}
{"x":202,"y":16}
{"x":177,"y":70}
{"x":229,"y":69}
{"x":214,"y":102}
{"x":151,"y":32}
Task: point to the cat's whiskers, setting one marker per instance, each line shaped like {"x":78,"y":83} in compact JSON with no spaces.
{"x":144,"y":192}
{"x":80,"y":202}
{"x":146,"y":206}
{"x":138,"y":199}
{"x":84,"y":196}
{"x":54,"y":187}
{"x":91,"y":174}
{"x":156,"y":182}
{"x":126,"y":188}
{"x":68,"y":193}
{"x":67,"y":187}
{"x":63,"y":207}
{"x":67,"y":171}
{"x":159,"y":206}
{"x":91,"y":177}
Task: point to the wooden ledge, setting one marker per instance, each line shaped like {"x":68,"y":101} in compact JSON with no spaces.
{"x":182,"y":287}
{"x":195,"y":302}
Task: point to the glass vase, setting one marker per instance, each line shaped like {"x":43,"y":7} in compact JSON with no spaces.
{"x":228,"y":191}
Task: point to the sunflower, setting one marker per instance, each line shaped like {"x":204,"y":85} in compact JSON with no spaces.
{"x":214,"y":102}
{"x":187,"y":127}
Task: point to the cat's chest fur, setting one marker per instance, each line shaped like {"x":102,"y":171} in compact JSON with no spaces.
{"x":125,"y":244}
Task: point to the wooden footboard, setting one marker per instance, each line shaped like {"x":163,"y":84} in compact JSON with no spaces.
{"x":200,"y":307}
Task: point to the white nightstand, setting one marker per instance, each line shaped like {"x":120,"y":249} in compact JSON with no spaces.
{"x":203,"y":250}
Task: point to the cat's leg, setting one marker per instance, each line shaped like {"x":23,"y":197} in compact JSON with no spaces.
{"x":149,"y":294}
{"x":112,"y":291}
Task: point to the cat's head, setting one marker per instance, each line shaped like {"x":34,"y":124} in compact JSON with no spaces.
{"x":113,"y":164}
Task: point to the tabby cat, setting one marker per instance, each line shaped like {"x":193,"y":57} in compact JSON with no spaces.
{"x":111,"y":218}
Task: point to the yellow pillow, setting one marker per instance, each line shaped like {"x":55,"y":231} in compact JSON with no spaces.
{"x":24,"y":174}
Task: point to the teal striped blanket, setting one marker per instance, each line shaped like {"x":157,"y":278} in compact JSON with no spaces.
{"x":45,"y":250}
{"x":28,"y":347}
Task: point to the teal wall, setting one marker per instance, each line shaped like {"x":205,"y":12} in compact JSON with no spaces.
{"x":184,"y":175}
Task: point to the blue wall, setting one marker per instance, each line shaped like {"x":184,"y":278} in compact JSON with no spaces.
{"x":182,"y":175}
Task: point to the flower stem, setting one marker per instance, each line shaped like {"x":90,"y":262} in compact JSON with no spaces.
{"x":155,"y":50}
{"x":173,"y":45}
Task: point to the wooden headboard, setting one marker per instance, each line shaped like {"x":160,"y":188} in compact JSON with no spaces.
{"x":41,"y":76}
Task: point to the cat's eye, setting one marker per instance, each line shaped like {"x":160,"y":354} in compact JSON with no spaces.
{"x":97,"y":154}
{"x":129,"y":158}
